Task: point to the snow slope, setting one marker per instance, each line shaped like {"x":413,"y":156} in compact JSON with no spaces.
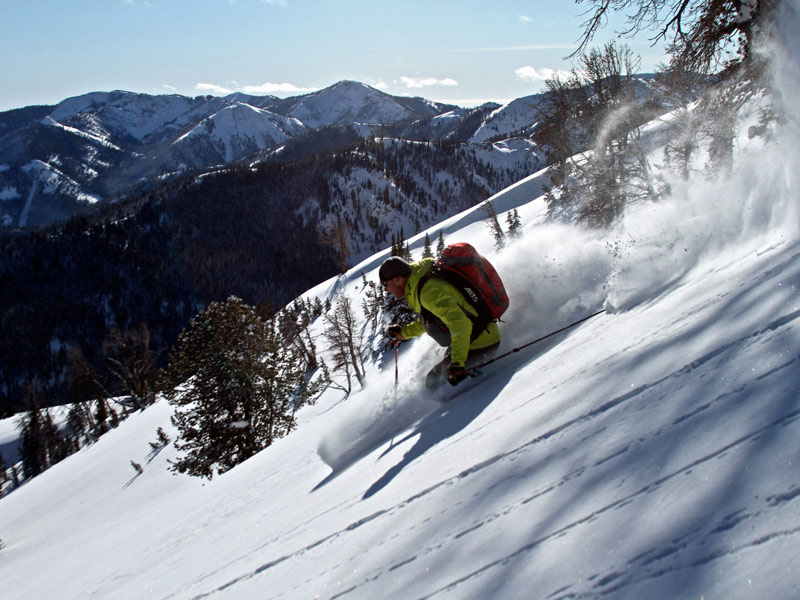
{"x":240,"y":129}
{"x":651,"y":452}
{"x":349,"y":102}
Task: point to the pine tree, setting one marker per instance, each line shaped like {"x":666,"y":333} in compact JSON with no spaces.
{"x":399,"y":244}
{"x":427,"y":251}
{"x":514,"y":224}
{"x":32,"y":443}
{"x":40,"y":445}
{"x":494,"y":225}
{"x":3,"y":473}
{"x":163,"y":438}
{"x":58,"y":447}
{"x":79,"y":423}
{"x":100,"y":418}
{"x":406,"y":254}
{"x":240,"y":388}
{"x":162,"y":441}
{"x":440,"y":245}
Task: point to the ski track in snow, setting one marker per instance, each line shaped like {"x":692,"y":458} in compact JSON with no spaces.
{"x":642,"y":567}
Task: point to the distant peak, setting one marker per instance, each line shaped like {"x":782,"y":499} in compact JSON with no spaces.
{"x":350,"y":85}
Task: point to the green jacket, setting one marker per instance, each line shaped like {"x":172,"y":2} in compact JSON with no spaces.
{"x":449,"y":305}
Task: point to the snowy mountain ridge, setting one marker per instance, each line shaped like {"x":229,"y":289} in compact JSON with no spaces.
{"x":649,"y":453}
{"x":240,"y":130}
{"x":125,"y":137}
{"x":354,"y":102}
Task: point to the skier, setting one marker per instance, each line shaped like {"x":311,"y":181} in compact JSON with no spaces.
{"x":446,"y":316}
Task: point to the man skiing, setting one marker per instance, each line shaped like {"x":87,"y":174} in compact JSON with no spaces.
{"x":446,"y":315}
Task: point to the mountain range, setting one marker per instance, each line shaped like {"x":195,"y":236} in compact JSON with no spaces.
{"x":56,"y":161}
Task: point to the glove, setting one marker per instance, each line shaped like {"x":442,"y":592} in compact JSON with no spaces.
{"x":394,"y":332}
{"x":456,"y":374}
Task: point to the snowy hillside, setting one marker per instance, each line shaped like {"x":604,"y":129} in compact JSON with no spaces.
{"x":511,"y":118}
{"x":239,"y":130}
{"x":649,"y":453}
{"x":354,"y":102}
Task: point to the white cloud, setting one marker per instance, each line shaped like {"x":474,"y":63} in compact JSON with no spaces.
{"x":421,"y":82}
{"x":275,"y":2}
{"x":525,"y":19}
{"x":255,"y":90}
{"x":211,"y":88}
{"x":275,"y":88}
{"x":532,"y":74}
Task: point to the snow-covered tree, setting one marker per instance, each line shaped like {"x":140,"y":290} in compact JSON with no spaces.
{"x":241,"y":388}
{"x":514,"y":224}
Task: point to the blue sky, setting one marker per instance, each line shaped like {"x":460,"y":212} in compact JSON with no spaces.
{"x":459,"y":51}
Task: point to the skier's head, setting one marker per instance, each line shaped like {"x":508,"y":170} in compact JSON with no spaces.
{"x":394,"y":273}
{"x":392,"y":267}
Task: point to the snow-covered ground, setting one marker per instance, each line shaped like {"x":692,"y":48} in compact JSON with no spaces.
{"x":651,"y":452}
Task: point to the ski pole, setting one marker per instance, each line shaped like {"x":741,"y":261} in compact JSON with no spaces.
{"x":544,"y":337}
{"x":396,"y":376}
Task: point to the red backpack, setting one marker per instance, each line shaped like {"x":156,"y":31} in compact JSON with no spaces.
{"x":476,"y":278}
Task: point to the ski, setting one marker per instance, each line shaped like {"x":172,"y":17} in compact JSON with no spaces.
{"x":446,"y":392}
